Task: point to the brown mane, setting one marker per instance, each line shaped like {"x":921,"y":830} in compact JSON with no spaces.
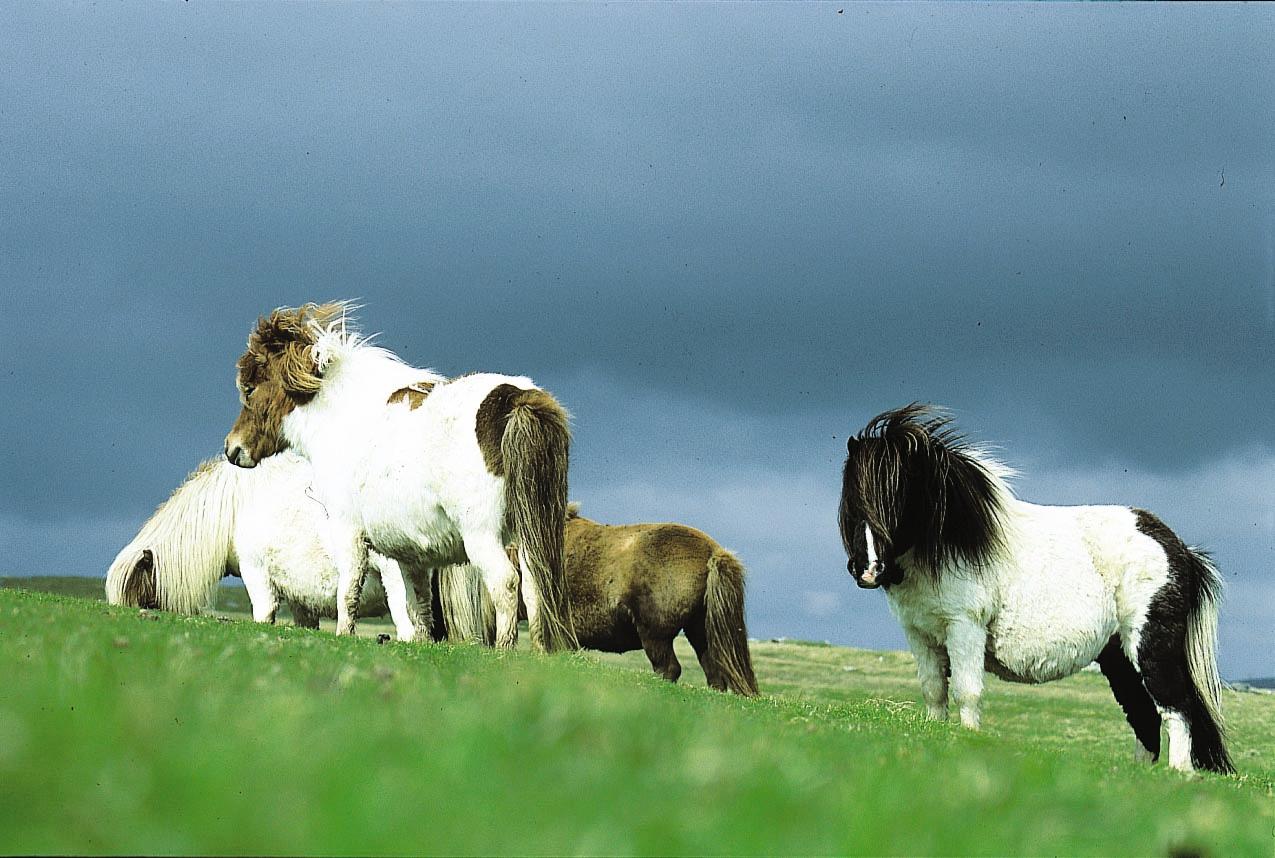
{"x":282,"y":346}
{"x":276,"y":373}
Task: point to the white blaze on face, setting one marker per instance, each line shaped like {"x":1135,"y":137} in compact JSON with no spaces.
{"x":872,"y":551}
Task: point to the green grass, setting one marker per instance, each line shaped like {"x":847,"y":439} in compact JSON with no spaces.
{"x":123,"y":731}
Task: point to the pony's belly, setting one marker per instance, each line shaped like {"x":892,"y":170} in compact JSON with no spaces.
{"x":1056,"y":614}
{"x":427,"y":540}
{"x":1045,"y":653}
{"x":317,"y":591}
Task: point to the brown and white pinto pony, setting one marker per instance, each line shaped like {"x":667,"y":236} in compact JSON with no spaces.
{"x":635,"y":586}
{"x":425,"y":470}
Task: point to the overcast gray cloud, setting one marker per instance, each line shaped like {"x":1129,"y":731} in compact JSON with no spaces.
{"x":725,"y":235}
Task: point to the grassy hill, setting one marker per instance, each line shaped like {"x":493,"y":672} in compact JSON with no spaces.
{"x":123,"y":731}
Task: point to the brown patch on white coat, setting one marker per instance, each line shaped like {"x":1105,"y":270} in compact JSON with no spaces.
{"x":413,"y":394}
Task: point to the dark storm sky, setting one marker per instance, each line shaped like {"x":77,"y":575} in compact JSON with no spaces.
{"x":724,"y":235}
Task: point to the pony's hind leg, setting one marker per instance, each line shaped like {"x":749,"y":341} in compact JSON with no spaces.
{"x":698,"y":636}
{"x":1193,"y":723}
{"x":1131,"y":694}
{"x":1177,"y":652}
{"x":659,"y":651}
{"x":501,"y":578}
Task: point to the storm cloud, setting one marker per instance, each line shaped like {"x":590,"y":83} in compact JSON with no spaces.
{"x":724,"y":235}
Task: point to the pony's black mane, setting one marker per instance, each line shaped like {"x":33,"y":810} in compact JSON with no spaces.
{"x":917,"y":481}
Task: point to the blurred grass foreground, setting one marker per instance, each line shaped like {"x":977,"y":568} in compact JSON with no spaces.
{"x":141,"y":732}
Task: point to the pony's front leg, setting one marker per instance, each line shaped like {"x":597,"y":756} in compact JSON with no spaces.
{"x":265,"y":604}
{"x":967,"y":654}
{"x":405,"y":601}
{"x":349,"y":554}
{"x":931,"y":670}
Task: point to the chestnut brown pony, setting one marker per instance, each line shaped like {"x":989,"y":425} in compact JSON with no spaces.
{"x":635,"y":586}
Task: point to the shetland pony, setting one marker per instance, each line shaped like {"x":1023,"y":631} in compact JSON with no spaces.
{"x":427,"y":471}
{"x":981,"y":580}
{"x":261,"y":525}
{"x":636,"y":586}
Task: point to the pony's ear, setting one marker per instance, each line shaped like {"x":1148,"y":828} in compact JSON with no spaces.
{"x":298,"y":369}
{"x":851,"y":443}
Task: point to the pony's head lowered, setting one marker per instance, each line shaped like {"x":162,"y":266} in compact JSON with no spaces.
{"x":912,"y":484}
{"x":279,"y":372}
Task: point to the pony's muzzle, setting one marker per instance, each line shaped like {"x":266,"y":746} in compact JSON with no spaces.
{"x":868,"y":579}
{"x":238,"y":456}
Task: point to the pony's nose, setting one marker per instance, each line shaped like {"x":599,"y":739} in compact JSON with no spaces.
{"x":232,"y":453}
{"x":868,"y":579}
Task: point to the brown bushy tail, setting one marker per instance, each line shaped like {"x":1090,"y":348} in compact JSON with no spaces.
{"x":724,"y":623}
{"x":535,"y":446}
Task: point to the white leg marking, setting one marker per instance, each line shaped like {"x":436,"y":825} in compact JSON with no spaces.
{"x":1179,"y":741}
{"x":966,"y":652}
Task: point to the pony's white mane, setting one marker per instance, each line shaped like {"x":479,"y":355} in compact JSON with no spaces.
{"x":337,"y":341}
{"x":1002,"y":474}
{"x":189,"y":537}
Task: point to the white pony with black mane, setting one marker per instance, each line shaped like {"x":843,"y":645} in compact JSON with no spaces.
{"x":263,"y":526}
{"x":981,"y":580}
{"x":428,"y":471}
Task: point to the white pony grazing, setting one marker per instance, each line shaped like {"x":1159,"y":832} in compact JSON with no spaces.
{"x":427,"y":471}
{"x":263,"y":526}
{"x":980,"y":579}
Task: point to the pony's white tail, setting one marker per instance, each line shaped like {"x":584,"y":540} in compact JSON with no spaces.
{"x":465,"y":606}
{"x":178,"y":557}
{"x":1208,"y":730}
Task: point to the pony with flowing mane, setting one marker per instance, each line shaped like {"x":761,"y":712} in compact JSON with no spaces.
{"x":636,"y":586}
{"x":982,"y":580}
{"x":425,"y":470}
{"x":262,"y":526}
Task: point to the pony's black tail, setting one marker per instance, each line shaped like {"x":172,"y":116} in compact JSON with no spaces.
{"x":1208,"y":746}
{"x":534,"y":447}
{"x":724,"y":623}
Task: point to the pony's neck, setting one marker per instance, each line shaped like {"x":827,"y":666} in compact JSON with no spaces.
{"x":959,"y":521}
{"x":351,"y":402}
